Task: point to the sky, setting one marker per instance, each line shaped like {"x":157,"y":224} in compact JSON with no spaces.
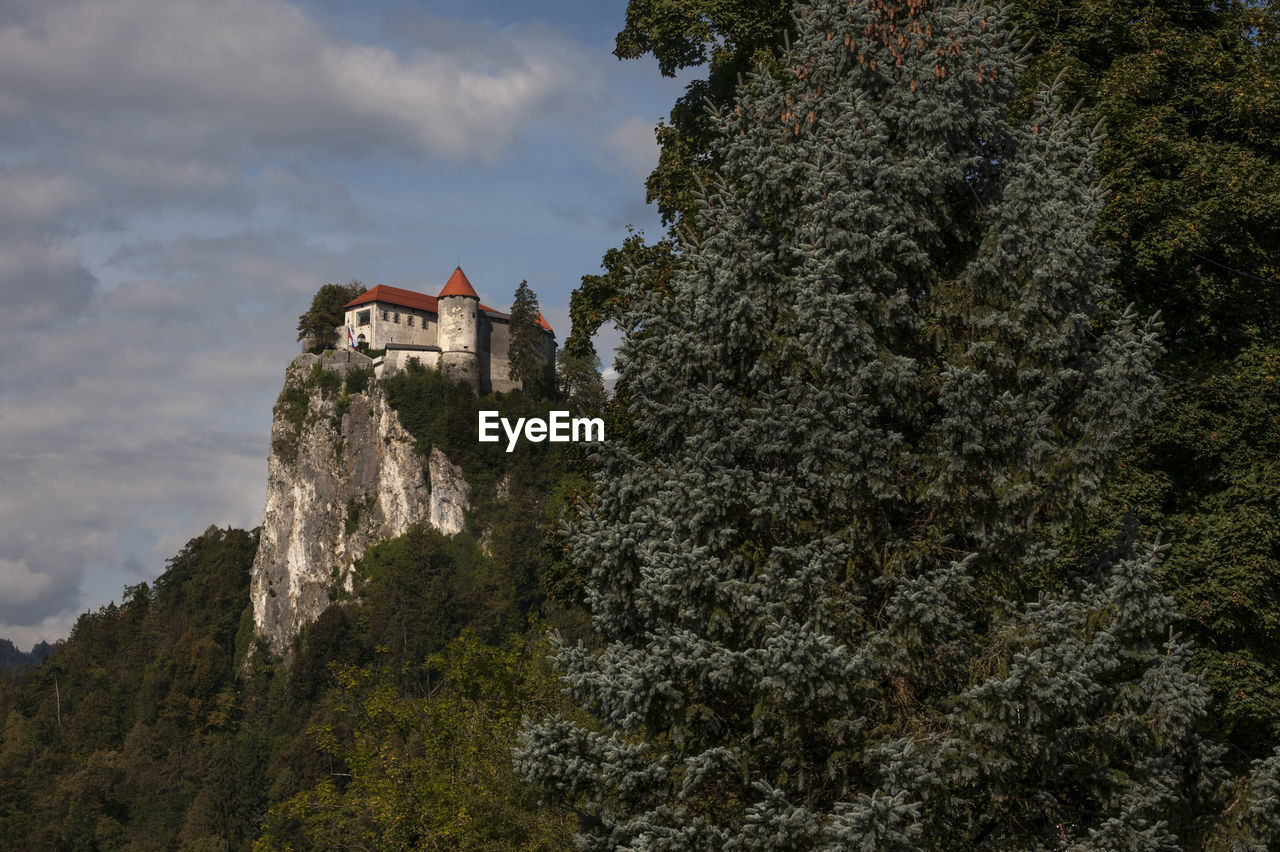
{"x":178,"y":178}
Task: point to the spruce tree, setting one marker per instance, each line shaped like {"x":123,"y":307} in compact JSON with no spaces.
{"x":824,"y":565}
{"x":1189,"y":93}
{"x":524,"y":353}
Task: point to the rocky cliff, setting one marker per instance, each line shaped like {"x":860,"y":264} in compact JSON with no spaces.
{"x":343,"y":473}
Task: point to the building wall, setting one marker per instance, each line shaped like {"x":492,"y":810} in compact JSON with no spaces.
{"x":392,"y":324}
{"x":457,"y":320}
{"x":398,"y":359}
{"x":459,"y":338}
{"x":465,"y":330}
{"x":499,"y":353}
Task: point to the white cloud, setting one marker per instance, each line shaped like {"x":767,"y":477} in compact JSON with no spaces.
{"x":25,"y":635}
{"x":632,"y":145}
{"x":42,"y":283}
{"x":33,"y":200}
{"x":18,"y":585}
{"x":160,"y":163}
{"x":148,"y":418}
{"x":217,"y":78}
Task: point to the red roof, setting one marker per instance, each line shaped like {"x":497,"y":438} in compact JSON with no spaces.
{"x":458,"y":285}
{"x":396,"y":296}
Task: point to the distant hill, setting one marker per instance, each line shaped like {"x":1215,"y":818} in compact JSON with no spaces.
{"x":12,"y":658}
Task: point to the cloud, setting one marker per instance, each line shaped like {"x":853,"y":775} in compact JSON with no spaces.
{"x":228,"y":77}
{"x":321,"y":199}
{"x":149,"y":417}
{"x":633,"y":146}
{"x":26,"y":635}
{"x":18,"y":586}
{"x":43,"y":284}
{"x":122,"y":110}
{"x":35,"y":200}
{"x":176,"y":180}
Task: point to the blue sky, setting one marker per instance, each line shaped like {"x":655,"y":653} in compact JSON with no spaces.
{"x":177,"y":178}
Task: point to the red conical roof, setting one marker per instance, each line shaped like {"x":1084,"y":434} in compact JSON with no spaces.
{"x":458,"y":285}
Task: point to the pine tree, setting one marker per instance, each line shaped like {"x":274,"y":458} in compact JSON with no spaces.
{"x":525,"y":354}
{"x":825,"y":570}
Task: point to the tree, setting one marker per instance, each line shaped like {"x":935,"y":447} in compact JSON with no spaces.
{"x":1190,"y":100}
{"x":596,"y":301}
{"x":325,"y":315}
{"x":430,"y":772}
{"x":882,"y":387}
{"x":731,"y":39}
{"x":579,"y":382}
{"x":1190,"y":96}
{"x":528,"y":365}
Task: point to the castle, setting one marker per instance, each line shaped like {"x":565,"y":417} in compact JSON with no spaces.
{"x":466,"y":339}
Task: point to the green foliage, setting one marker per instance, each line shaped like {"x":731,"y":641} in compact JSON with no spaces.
{"x":441,"y":413}
{"x":525,"y":351}
{"x":155,"y":727}
{"x":1208,"y":473}
{"x":826,"y":566}
{"x":1189,"y":97}
{"x":579,"y":384}
{"x":322,"y":319}
{"x":434,"y":771}
{"x":294,"y":403}
{"x":12,"y":659}
{"x":355,"y":508}
{"x":117,"y":736}
{"x":731,"y":38}
{"x":597,"y":301}
{"x":357,"y":380}
{"x":291,"y":410}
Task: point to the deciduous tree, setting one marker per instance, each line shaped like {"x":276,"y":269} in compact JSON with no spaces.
{"x":322,"y":319}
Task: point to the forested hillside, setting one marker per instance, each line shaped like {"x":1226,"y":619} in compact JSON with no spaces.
{"x":939,"y":510}
{"x":12,"y":658}
{"x":157,"y":724}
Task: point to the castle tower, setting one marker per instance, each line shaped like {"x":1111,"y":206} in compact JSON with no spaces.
{"x":457,"y":308}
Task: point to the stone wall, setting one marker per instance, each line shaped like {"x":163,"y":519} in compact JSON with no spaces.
{"x":389,"y":325}
{"x":499,"y":353}
{"x":397,"y":359}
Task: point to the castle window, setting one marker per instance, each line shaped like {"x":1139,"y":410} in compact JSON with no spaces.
{"x":396,"y":317}
{"x":362,"y":318}
{"x":409,"y":320}
{"x":384,"y":316}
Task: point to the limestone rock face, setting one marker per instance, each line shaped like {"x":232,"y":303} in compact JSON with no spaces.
{"x":448,"y":494}
{"x":344,"y":478}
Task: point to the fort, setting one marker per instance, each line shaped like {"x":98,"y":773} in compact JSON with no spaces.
{"x":453,"y":331}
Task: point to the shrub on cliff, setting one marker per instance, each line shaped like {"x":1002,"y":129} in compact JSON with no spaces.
{"x":322,"y":319}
